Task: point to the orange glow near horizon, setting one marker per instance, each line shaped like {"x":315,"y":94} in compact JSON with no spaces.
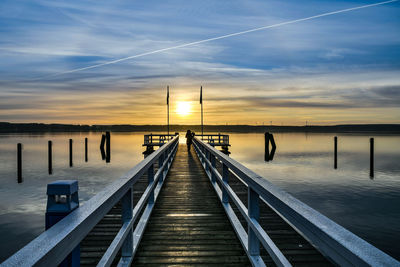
{"x":221,"y":106}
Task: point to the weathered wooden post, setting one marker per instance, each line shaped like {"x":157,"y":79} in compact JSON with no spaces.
{"x":19,"y":162}
{"x":335,"y":153}
{"x":103,"y":140}
{"x":108,"y":147}
{"x":103,"y":152}
{"x":272,"y":140}
{"x":86,"y":149}
{"x":62,"y":199}
{"x":50,"y":156}
{"x":266,"y":153}
{"x":70,"y":152}
{"x":371,"y":157}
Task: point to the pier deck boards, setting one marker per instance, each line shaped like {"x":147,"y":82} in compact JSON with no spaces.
{"x":189,"y":226}
{"x":296,"y":249}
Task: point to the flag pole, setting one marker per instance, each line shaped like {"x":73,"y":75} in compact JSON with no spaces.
{"x":168,"y":110}
{"x":201,"y":102}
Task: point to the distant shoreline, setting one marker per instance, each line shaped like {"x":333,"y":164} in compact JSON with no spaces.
{"x":6,"y":127}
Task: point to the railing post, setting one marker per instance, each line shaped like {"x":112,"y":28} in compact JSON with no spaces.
{"x":160,"y":164}
{"x":150,"y":179}
{"x":127,"y":213}
{"x":165,"y":155}
{"x":168,"y":152}
{"x":254,"y":213}
{"x":207,"y":157}
{"x":203,"y":149}
{"x":225,"y":179}
{"x":213,"y":164}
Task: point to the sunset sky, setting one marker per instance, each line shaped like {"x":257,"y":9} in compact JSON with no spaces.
{"x":342,"y":68}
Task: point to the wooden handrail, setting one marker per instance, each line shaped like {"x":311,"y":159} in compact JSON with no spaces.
{"x":332,"y":240}
{"x":53,"y":245}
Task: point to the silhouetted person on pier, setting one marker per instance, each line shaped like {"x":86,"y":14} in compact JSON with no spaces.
{"x":189,"y":137}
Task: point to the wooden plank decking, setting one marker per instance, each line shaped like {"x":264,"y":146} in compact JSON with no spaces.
{"x":189,"y":226}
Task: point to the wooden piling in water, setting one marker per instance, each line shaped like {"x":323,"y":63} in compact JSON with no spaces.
{"x":371,"y":157}
{"x":108,"y":147}
{"x":70,"y":152}
{"x":103,"y":140}
{"x":86,"y":149}
{"x":19,"y":162}
{"x":335,"y":153}
{"x":266,"y":154}
{"x":50,"y":156}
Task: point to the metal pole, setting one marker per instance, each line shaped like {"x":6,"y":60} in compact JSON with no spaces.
{"x":168,"y":110}
{"x":202,"y":127}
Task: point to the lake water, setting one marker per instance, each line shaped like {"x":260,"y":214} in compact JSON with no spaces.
{"x":303,"y":166}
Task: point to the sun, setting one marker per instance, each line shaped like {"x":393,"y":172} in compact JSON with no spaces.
{"x":183,"y":108}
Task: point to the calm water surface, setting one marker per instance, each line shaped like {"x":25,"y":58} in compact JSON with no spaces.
{"x":303,"y":166}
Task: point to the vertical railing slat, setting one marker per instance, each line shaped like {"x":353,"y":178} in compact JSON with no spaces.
{"x":150,"y":178}
{"x":160,"y":164}
{"x":225,"y":179}
{"x":127,"y":213}
{"x":253,"y":213}
{"x":213,"y":164}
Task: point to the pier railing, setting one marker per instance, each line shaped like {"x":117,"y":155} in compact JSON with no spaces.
{"x":53,"y":245}
{"x":157,"y":139}
{"x":333,"y":241}
{"x":215,"y":139}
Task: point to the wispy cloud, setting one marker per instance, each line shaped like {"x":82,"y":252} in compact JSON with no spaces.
{"x":313,"y":69}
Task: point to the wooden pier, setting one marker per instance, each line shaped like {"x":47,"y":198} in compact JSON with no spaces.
{"x":197,"y":208}
{"x":188,"y":224}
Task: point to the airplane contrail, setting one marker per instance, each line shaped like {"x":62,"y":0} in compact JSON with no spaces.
{"x":220,"y":37}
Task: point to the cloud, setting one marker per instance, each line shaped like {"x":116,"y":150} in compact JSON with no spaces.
{"x":348,"y":62}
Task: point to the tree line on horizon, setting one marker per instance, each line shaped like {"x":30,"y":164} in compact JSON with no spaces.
{"x":6,"y":127}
